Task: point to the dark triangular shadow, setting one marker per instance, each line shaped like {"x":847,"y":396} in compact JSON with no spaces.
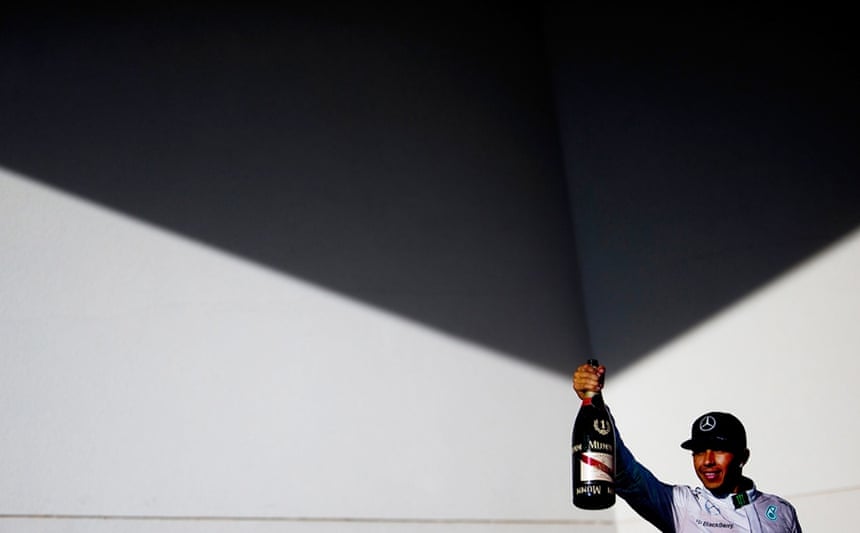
{"x":406,"y":158}
{"x":412,"y":159}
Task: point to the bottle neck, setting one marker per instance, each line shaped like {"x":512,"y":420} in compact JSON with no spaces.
{"x":592,"y":398}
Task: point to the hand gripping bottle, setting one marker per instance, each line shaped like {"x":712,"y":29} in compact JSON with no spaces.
{"x":593,"y":446}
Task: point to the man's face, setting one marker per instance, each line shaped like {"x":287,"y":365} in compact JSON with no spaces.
{"x":719,"y":471}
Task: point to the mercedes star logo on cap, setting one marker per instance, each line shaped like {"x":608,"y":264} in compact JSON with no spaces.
{"x":708,"y":423}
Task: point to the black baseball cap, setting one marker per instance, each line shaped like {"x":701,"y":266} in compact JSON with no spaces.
{"x":717,"y":431}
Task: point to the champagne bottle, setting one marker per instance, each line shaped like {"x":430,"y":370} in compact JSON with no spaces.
{"x":593,"y":448}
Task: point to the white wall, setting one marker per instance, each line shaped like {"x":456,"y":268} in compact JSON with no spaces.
{"x":168,"y":387}
{"x":363,"y":343}
{"x":147,"y":377}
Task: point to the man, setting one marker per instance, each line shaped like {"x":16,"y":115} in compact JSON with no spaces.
{"x":728,"y":502}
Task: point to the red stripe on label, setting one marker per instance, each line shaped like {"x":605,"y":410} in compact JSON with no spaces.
{"x":590,"y":461}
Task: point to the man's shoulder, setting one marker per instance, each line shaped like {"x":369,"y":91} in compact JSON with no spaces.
{"x":687,"y":491}
{"x":775,"y":508}
{"x":684,"y":494}
{"x":772,"y":499}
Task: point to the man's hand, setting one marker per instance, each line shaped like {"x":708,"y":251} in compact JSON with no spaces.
{"x":588,"y":379}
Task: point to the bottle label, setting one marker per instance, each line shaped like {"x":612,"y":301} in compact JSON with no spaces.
{"x":596,"y":466}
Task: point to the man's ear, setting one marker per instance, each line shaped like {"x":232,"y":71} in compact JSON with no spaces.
{"x":743,"y":457}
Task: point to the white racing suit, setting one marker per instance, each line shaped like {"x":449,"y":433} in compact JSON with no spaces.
{"x":683,"y":509}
